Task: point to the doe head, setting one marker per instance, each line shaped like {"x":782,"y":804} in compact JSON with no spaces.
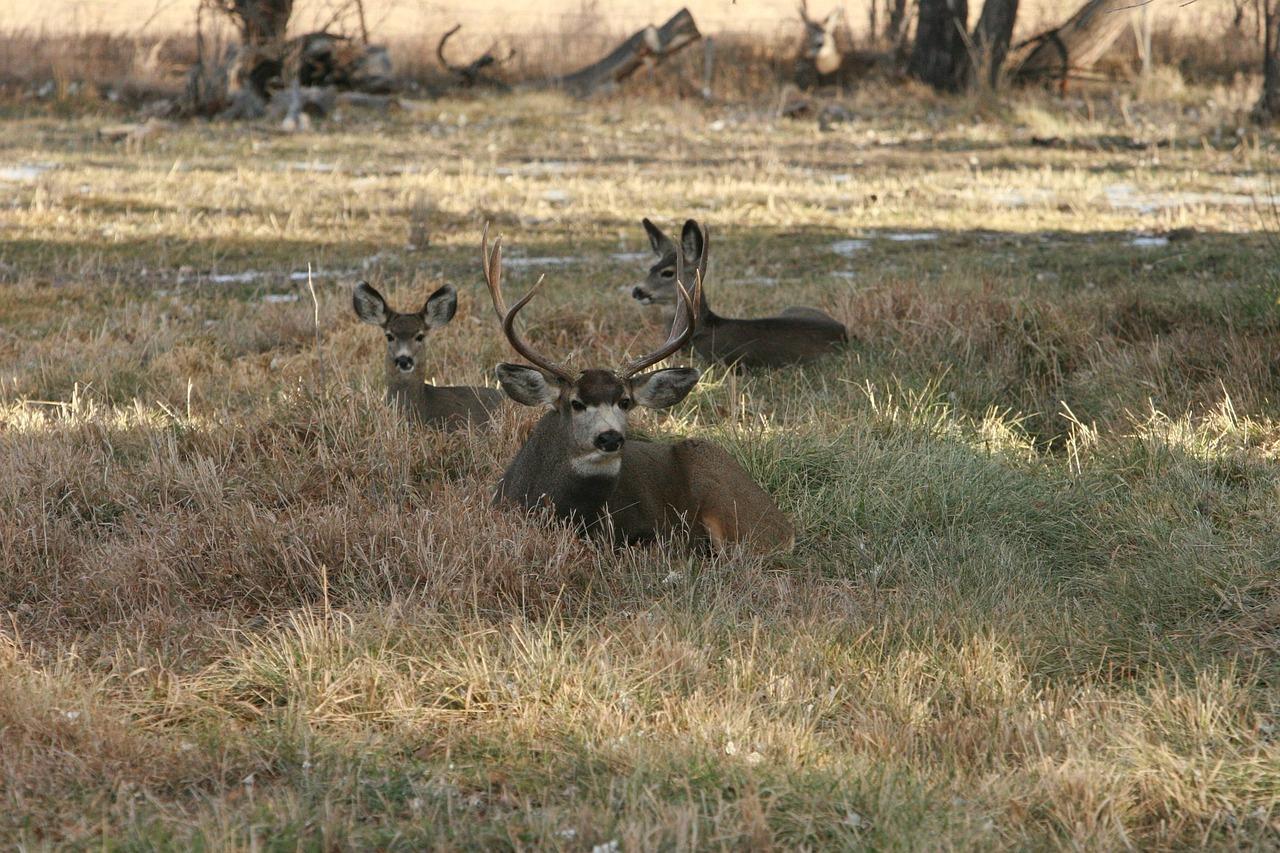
{"x":659,"y":286}
{"x":819,"y":46}
{"x":406,"y":334}
{"x":595,"y":404}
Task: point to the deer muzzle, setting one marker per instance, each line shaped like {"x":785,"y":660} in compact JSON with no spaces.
{"x":609,"y":441}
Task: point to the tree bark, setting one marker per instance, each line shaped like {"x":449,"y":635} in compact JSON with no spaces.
{"x":261,"y":22}
{"x":991,"y":40}
{"x":1267,"y":109}
{"x":940,"y":56}
{"x":897,"y":26}
{"x":650,"y":44}
{"x":1077,"y":44}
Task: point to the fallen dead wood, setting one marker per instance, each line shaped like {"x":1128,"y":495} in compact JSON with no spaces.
{"x":650,"y":45}
{"x":469,"y":75}
{"x":1075,"y":46}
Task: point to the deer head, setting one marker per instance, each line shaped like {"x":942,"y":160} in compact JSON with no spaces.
{"x":819,"y":46}
{"x":660,"y":285}
{"x":406,"y":334}
{"x":593,"y":406}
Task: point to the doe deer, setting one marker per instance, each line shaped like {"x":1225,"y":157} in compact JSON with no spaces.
{"x":448,"y":406}
{"x":826,"y":55}
{"x":578,"y":459}
{"x":797,"y":334}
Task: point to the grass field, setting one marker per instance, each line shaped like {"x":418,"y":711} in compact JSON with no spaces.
{"x":1035,"y":599}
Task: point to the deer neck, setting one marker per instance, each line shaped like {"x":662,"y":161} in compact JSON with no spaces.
{"x":828,"y":58}
{"x":703,"y":319}
{"x":408,"y":389}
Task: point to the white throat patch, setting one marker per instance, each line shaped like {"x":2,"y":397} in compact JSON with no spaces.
{"x":597,"y":463}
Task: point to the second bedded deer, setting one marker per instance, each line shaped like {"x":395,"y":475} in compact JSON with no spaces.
{"x":450,"y":406}
{"x":796,"y":334}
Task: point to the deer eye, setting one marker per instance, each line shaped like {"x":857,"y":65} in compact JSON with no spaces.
{"x":625,"y":404}
{"x":578,"y":406}
{"x":390,"y":337}
{"x":668,"y":273}
{"x":420,"y":337}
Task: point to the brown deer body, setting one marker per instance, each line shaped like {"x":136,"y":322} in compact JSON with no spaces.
{"x":578,"y":460}
{"x":447,"y":406}
{"x":797,"y":334}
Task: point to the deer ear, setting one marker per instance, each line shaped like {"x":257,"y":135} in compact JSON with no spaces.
{"x":525,"y":385}
{"x":660,"y":242}
{"x":440,"y":306}
{"x":369,"y":305}
{"x":693,"y":240}
{"x":664,"y":388}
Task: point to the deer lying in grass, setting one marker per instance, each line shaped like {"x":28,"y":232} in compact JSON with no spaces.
{"x":797,"y":334}
{"x":578,"y":459}
{"x":448,"y":406}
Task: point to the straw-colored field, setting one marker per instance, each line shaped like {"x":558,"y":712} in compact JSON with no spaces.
{"x":1034,"y":600}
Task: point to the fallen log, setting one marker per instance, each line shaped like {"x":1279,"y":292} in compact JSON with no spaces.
{"x":1076,"y":45}
{"x":470,"y":75}
{"x":650,"y":45}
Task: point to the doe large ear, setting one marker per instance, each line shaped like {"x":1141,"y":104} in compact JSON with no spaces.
{"x":369,"y":305}
{"x":526,"y":385}
{"x":663,"y":388}
{"x":694,"y":241}
{"x":660,"y":242}
{"x":441,"y":306}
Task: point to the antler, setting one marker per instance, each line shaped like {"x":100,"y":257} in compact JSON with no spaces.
{"x":680,"y":332}
{"x":493,"y":278}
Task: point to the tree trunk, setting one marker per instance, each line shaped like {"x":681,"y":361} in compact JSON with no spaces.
{"x":261,"y":22}
{"x":650,"y":44}
{"x":1267,"y":109}
{"x":897,"y":26}
{"x":991,"y":40}
{"x":1077,"y":44}
{"x":940,"y":57}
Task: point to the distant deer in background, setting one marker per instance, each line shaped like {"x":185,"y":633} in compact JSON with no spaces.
{"x":797,"y":334}
{"x":826,"y":54}
{"x":578,"y":460}
{"x":406,"y":334}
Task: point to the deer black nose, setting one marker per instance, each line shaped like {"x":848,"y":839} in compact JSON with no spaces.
{"x":610,"y":441}
{"x":639,"y":293}
{"x":404,"y":362}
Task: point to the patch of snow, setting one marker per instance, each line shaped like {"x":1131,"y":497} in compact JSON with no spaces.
{"x":910,"y":236}
{"x":308,"y":166}
{"x":1148,"y":241}
{"x":518,"y":262}
{"x":630,"y":256}
{"x":849,"y":248}
{"x":275,"y":298}
{"x":250,"y":276}
{"x":25,"y":172}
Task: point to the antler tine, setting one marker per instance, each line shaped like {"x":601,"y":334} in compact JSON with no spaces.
{"x":681,"y":332}
{"x":493,"y":278}
{"x":493,"y":271}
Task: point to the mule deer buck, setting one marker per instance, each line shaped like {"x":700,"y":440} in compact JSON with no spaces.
{"x":448,"y":406}
{"x":578,"y":459}
{"x":797,"y":334}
